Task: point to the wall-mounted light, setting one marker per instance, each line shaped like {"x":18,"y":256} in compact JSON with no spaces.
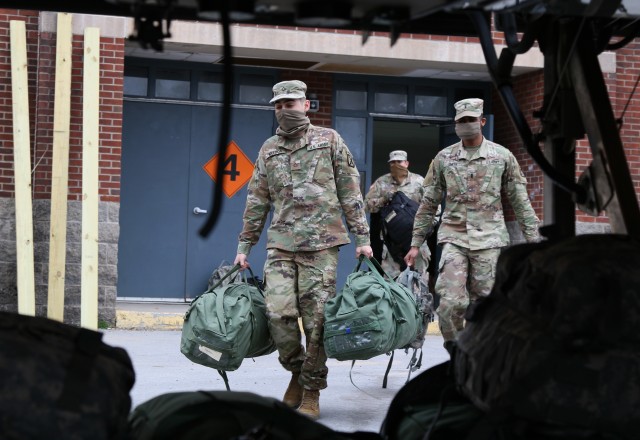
{"x":329,"y":13}
{"x":239,"y":10}
{"x":314,"y":103}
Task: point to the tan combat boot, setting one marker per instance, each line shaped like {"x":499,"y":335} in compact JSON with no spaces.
{"x":310,"y":406}
{"x":293,"y":395}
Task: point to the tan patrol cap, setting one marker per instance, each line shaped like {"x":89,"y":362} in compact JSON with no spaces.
{"x":397,"y":155}
{"x":288,"y":90}
{"x":468,"y":107}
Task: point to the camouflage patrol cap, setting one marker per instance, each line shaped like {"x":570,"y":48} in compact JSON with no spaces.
{"x":397,"y":155}
{"x":468,"y":107}
{"x":288,"y":90}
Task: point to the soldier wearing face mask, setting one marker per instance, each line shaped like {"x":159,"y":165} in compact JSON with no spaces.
{"x":471,"y":174}
{"x":380,"y":193}
{"x":307,"y":178}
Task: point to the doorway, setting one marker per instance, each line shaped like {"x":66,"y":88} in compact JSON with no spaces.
{"x":420,"y":140}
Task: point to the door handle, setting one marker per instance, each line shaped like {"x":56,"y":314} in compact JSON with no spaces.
{"x":197,"y":210}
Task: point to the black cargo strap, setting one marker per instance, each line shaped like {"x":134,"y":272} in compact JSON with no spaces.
{"x":223,"y":374}
{"x":79,"y":370}
{"x":386,"y":373}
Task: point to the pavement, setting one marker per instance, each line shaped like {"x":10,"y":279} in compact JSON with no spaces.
{"x":353,"y":401}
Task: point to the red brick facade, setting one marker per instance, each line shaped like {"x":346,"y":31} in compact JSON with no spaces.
{"x":41,"y":50}
{"x":529,"y":91}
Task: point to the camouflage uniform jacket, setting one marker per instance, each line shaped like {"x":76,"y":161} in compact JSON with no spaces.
{"x":385,"y":187}
{"x":473,"y":182}
{"x":310,"y":183}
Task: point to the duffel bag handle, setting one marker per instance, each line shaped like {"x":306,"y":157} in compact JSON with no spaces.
{"x":233,"y":270}
{"x":375,"y":268}
{"x":253,"y":277}
{"x":378,"y":273}
{"x":348,"y":303}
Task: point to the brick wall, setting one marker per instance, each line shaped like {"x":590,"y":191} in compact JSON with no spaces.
{"x":625,"y":96}
{"x":41,"y":50}
{"x":529,"y":94}
{"x":6,"y":126}
{"x":322,"y":85}
{"x":528,"y":89}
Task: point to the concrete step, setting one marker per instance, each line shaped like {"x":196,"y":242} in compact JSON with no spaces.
{"x":143,"y":315}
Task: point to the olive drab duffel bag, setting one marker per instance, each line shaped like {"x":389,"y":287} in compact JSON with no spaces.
{"x":226,"y":324}
{"x":370,"y":316}
{"x":227,"y":415}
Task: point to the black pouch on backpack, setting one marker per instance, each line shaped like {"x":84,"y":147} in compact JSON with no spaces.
{"x":397,"y":225}
{"x":61,"y":382}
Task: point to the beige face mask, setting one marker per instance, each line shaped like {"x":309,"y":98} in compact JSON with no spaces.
{"x":291,"y":122}
{"x":468,"y":130}
{"x":399,"y":172}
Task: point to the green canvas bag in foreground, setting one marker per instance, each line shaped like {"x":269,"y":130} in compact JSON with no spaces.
{"x":226,"y":324}
{"x":370,"y":316}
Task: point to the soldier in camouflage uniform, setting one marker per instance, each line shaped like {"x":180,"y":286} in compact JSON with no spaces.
{"x":472,"y":173}
{"x":380,"y":193}
{"x":307,"y":175}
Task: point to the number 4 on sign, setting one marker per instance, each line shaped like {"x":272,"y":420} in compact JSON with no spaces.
{"x":237,"y":169}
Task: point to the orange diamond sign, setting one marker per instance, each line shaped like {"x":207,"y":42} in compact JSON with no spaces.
{"x":237,"y":169}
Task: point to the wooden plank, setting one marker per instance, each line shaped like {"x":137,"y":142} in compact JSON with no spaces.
{"x":22,"y":169}
{"x":60,"y":169}
{"x":90,"y":195}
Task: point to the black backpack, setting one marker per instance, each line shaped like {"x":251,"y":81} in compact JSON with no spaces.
{"x":396,"y":222}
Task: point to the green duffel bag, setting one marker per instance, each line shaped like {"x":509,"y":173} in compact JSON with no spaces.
{"x":226,"y":324}
{"x":227,"y":415}
{"x":370,"y":316}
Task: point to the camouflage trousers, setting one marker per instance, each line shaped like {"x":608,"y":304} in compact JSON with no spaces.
{"x":464,"y":276}
{"x":297,"y":285}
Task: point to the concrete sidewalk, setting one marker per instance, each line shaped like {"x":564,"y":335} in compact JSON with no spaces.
{"x":131,"y":315}
{"x":353,"y":401}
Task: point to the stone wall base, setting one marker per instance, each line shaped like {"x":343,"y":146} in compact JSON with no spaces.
{"x":109,"y":231}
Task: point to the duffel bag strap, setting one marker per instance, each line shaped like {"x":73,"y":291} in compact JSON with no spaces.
{"x":253,"y":277}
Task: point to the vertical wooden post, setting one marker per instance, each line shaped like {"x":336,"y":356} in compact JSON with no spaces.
{"x":60,"y":169}
{"x":90,"y":166}
{"x":22,"y":169}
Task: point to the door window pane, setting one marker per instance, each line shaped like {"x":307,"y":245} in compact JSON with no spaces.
{"x":174,"y":84}
{"x":351,"y":96}
{"x":210,"y":86}
{"x":255,"y":89}
{"x":391,"y":99}
{"x":353,"y":131}
{"x":136,"y":80}
{"x":430,"y":101}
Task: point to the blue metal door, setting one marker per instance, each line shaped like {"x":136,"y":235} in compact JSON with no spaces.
{"x":249,"y":129}
{"x":161,"y":256}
